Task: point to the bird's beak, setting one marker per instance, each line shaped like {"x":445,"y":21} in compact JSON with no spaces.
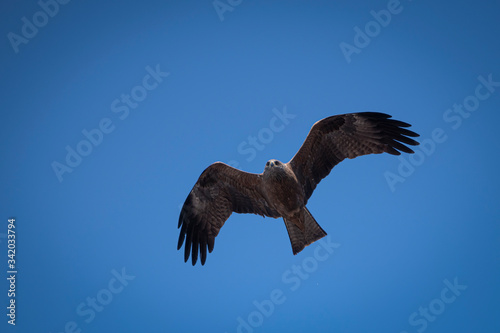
{"x":271,"y":164}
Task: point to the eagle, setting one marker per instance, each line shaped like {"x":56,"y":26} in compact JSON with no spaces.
{"x":283,"y":189}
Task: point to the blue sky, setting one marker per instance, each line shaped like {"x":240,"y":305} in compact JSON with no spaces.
{"x":112,"y":110}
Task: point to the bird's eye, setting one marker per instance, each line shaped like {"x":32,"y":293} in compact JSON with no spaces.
{"x":267,"y":164}
{"x":277,"y":163}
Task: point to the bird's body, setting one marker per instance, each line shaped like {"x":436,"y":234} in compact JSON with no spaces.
{"x":283,"y":189}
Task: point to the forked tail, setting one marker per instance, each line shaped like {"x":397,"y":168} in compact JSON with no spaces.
{"x":311,"y":233}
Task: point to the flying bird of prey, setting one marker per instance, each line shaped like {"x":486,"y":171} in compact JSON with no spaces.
{"x":283,"y":189}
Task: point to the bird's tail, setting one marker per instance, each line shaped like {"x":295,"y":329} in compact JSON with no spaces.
{"x":300,"y":238}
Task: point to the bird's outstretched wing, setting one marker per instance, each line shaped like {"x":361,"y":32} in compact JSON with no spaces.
{"x":335,"y":138}
{"x":220,"y":190}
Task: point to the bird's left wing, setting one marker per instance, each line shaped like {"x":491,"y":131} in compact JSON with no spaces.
{"x":335,"y":138}
{"x":220,"y":190}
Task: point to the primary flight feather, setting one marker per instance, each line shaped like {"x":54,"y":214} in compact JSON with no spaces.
{"x":283,"y":189}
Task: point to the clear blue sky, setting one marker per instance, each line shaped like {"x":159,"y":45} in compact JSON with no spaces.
{"x":111,"y":111}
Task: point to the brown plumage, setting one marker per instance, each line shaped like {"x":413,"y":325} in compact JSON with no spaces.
{"x":283,"y":189}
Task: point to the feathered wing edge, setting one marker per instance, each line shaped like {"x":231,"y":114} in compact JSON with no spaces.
{"x":335,"y":138}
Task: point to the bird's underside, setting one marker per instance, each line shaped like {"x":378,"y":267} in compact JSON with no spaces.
{"x":283,"y":189}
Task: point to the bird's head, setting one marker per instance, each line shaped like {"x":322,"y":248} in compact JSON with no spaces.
{"x":273,"y":165}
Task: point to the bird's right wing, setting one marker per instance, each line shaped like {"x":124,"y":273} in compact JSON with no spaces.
{"x":220,"y":190}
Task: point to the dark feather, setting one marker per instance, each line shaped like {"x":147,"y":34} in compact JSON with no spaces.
{"x":220,"y":191}
{"x":335,"y":138}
